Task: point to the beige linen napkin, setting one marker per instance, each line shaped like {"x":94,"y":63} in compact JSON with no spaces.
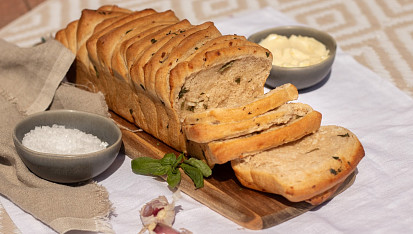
{"x":29,"y":78}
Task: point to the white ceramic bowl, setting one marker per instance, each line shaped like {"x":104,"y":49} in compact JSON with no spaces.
{"x":301,"y":77}
{"x":64,"y":168}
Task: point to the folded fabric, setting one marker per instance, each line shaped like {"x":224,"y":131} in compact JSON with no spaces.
{"x":29,"y":79}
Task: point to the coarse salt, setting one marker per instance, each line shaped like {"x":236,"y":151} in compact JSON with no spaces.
{"x":61,"y":140}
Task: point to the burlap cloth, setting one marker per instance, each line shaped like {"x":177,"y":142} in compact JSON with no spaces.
{"x":30,"y":81}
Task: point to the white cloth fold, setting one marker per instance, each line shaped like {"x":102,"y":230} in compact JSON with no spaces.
{"x":354,"y":97}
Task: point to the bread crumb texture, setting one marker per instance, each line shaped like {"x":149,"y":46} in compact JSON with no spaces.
{"x":299,"y":170}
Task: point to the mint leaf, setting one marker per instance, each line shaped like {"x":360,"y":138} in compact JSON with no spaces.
{"x":148,"y":166}
{"x":178,"y":161}
{"x":168,"y":159}
{"x":173,"y":177}
{"x":195,"y":174}
{"x":202,"y":166}
{"x":169,"y":165}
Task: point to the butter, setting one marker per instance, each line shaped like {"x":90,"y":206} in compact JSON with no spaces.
{"x":295,"y":51}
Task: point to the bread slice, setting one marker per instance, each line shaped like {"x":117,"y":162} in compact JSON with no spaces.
{"x":86,"y":73}
{"x":90,"y":18}
{"x":153,"y":107}
{"x":195,"y":45}
{"x":298,"y":122}
{"x":106,"y":46}
{"x":303,"y":169}
{"x":163,"y":52}
{"x":61,"y":37}
{"x":138,"y":53}
{"x":107,"y":42}
{"x":110,"y":8}
{"x":132,"y":49}
{"x":70,"y":31}
{"x":172,"y":55}
{"x":91,"y":70}
{"x":260,"y":105}
{"x":224,"y":77}
{"x":206,"y":132}
{"x":119,"y":66}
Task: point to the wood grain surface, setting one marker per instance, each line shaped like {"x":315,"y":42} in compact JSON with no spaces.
{"x":221,"y":192}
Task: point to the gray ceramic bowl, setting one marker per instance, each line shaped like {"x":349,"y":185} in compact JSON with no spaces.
{"x":301,"y":77}
{"x":64,"y":168}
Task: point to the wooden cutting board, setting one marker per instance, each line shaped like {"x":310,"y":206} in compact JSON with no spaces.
{"x":221,"y":192}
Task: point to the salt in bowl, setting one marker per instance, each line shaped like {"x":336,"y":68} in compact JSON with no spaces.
{"x":69,"y":168}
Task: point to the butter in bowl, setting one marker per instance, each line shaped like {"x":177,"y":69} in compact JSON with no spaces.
{"x":302,"y":56}
{"x":67,"y":146}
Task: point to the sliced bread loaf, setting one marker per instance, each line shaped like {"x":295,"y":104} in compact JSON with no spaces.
{"x":296,"y":121}
{"x":303,"y":169}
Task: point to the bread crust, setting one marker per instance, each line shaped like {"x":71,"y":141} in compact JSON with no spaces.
{"x":61,"y":37}
{"x":113,"y":8}
{"x":324,"y":196}
{"x":118,"y":63}
{"x":107,"y":42}
{"x":90,"y":18}
{"x":135,"y":53}
{"x":70,"y":32}
{"x":157,"y":60}
{"x":218,"y":43}
{"x":87,"y":22}
{"x":156,"y":108}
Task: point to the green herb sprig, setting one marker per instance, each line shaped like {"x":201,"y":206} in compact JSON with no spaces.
{"x":169,"y":165}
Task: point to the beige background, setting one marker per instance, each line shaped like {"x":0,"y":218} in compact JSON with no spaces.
{"x":377,"y":33}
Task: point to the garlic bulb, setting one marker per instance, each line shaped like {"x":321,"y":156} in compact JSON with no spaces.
{"x":157,"y":211}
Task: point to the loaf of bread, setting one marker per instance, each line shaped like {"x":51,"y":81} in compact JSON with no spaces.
{"x":304,"y":169}
{"x":202,"y":93}
{"x":156,"y":71}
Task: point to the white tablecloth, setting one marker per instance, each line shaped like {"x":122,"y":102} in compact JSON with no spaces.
{"x":380,"y":200}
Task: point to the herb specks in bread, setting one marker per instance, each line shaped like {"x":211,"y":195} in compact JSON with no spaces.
{"x":308,"y":170}
{"x":298,"y":116}
{"x":332,"y":171}
{"x":191,"y":108}
{"x":182,"y":92}
{"x":96,"y":70}
{"x":225,"y":67}
{"x":238,"y":80}
{"x":344,"y":135}
{"x":336,"y":158}
{"x":315,"y":149}
{"x":336,"y":171}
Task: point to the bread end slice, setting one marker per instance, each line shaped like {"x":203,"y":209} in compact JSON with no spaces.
{"x":311,"y":168}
